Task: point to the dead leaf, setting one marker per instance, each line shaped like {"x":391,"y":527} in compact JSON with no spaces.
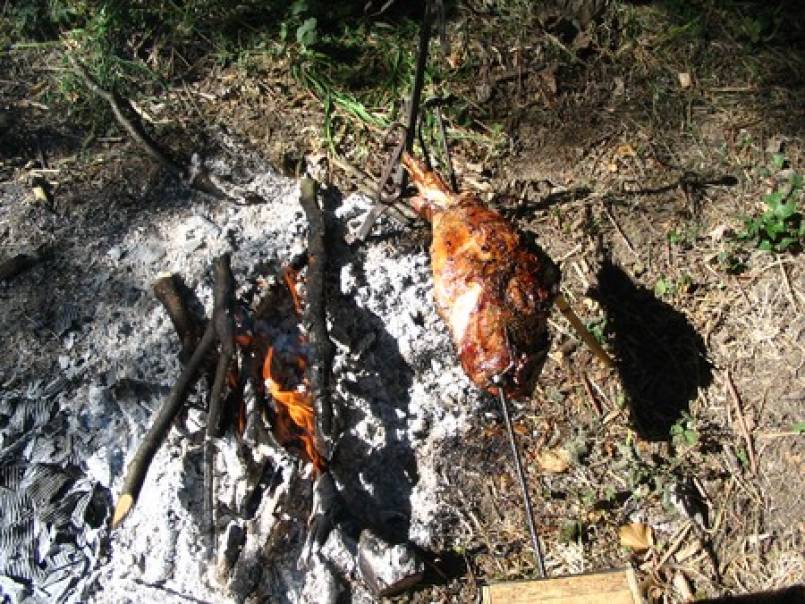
{"x":625,"y":150}
{"x":554,"y":461}
{"x":636,"y":536}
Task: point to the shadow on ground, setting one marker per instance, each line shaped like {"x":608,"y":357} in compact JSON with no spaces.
{"x":661,"y":359}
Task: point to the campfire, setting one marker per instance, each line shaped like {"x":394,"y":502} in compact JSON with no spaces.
{"x":266,"y":353}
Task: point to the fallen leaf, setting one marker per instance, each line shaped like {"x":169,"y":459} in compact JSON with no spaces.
{"x":636,"y":536}
{"x":554,"y":461}
{"x":625,"y":150}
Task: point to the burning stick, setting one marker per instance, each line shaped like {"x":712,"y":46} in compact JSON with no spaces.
{"x":138,"y":467}
{"x":315,"y":319}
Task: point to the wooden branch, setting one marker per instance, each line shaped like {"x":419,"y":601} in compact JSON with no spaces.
{"x":132,"y":126}
{"x":130,"y":122}
{"x":138,"y":467}
{"x":315,"y":318}
{"x":223,"y":320}
{"x":189,"y":328}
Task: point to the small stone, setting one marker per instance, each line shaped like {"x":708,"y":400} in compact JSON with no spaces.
{"x":685,"y":80}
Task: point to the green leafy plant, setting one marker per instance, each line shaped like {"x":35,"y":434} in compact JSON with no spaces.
{"x":780,"y":228}
{"x":684,"y":432}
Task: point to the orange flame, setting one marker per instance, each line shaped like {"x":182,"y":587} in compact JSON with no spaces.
{"x":289,"y":275}
{"x":296,"y":406}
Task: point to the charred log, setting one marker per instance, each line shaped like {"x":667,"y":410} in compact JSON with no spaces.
{"x":171,"y":292}
{"x":315,"y":319}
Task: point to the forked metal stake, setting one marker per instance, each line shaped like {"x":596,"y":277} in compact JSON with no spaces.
{"x":518,"y":465}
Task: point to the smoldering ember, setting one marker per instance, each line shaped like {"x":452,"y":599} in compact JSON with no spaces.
{"x":398,"y":397}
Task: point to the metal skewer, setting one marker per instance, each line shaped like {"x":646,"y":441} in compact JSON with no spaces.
{"x":518,"y":465}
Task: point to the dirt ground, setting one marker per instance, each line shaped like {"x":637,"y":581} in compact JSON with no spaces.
{"x":634,"y":152}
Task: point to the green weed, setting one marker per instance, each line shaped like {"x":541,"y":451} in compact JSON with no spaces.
{"x":683,"y":432}
{"x":780,"y":228}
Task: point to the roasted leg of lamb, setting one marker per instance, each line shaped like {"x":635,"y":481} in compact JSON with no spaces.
{"x":493,"y":286}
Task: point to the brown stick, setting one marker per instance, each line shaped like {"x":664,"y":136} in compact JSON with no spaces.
{"x":127,"y":118}
{"x":168,"y":290}
{"x":315,"y":318}
{"x":138,"y":467}
{"x":582,"y":331}
{"x":744,"y":429}
{"x":134,"y":128}
{"x":224,"y":323}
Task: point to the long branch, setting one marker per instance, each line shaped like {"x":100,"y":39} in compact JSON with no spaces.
{"x":134,"y":128}
{"x":315,"y":318}
{"x":140,"y":463}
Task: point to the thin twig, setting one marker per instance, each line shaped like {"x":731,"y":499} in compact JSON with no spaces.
{"x":585,"y":381}
{"x":736,"y":399}
{"x":676,"y":541}
{"x":789,"y":289}
{"x":583,"y":332}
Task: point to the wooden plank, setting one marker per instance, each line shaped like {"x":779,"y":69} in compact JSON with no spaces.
{"x":610,"y":587}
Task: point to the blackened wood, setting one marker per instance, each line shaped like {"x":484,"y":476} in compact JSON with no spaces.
{"x":168,"y":290}
{"x":223,"y":319}
{"x":315,"y":318}
{"x":138,"y":467}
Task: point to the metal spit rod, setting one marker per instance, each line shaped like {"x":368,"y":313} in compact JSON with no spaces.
{"x":518,"y":464}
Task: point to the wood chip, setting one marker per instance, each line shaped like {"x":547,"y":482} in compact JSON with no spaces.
{"x":636,"y":536}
